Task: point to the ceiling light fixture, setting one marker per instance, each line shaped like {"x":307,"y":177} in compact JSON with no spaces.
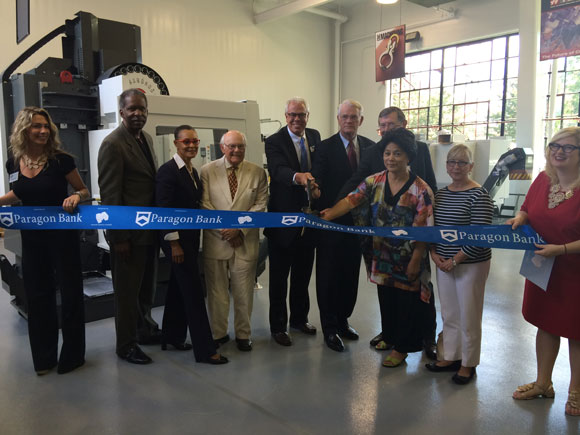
{"x":387,"y":2}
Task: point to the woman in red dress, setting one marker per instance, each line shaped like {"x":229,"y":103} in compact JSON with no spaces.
{"x":552,"y":208}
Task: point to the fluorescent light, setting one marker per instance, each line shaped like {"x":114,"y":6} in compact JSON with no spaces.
{"x":387,"y":2}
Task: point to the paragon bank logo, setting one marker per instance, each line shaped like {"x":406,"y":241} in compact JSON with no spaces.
{"x":143,"y":218}
{"x":449,"y":235}
{"x":244,"y":219}
{"x":102,"y":217}
{"x":289,"y":220}
{"x":400,"y":233}
{"x":6,"y":219}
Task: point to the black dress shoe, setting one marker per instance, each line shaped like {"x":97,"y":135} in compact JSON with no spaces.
{"x":244,"y":344}
{"x":305,"y":328}
{"x":282,"y":338}
{"x":135,"y":355}
{"x":334,"y":342}
{"x":153,"y":337}
{"x":69,"y":367}
{"x":176,"y":345}
{"x":377,"y":339}
{"x":430,"y":349}
{"x":223,"y":340}
{"x":453,"y":367}
{"x":349,"y":333}
{"x":463,"y":380}
{"x":217,"y":361}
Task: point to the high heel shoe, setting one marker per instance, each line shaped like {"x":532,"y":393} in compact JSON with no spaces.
{"x":217,"y":361}
{"x":176,"y":346}
{"x":463,"y":380}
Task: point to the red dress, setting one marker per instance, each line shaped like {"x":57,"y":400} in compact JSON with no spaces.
{"x":557,"y":309}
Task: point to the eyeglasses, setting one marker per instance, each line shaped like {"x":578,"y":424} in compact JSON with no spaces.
{"x":349,"y":117}
{"x":459,"y":163}
{"x":566,"y":148}
{"x":297,"y":115}
{"x":188,"y":142}
{"x":232,"y":147}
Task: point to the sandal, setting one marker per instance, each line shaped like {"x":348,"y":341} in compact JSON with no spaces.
{"x":533,"y":391}
{"x":381,"y":345}
{"x":392,"y":362}
{"x":573,"y":403}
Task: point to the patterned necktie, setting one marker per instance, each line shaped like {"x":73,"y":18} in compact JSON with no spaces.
{"x":303,"y":156}
{"x":351,"y":156}
{"x":233,"y":181}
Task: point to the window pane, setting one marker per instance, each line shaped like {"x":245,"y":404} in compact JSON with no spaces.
{"x":404,"y":100}
{"x":572,"y":63}
{"x":424,"y":98}
{"x":447,"y":116}
{"x":448,"y":95}
{"x":511,"y":107}
{"x":513,"y":65}
{"x":414,"y":100}
{"x":395,"y":100}
{"x":571,"y":105}
{"x":496,"y":90}
{"x":395,"y":85}
{"x":423,"y":117}
{"x":514,"y":46}
{"x":572,"y":81}
{"x":495,"y":110}
{"x":449,"y":56}
{"x":434,"y":116}
{"x":482,"y":109}
{"x":436,"y":59}
{"x":494,"y":129}
{"x":498,"y":51}
{"x":458,"y":114}
{"x":448,"y":76}
{"x":459,"y":94}
{"x":512,"y":88}
{"x":497,"y":69}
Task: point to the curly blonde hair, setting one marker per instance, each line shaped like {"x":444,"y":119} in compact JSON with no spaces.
{"x":562,"y":134}
{"x":19,"y":137}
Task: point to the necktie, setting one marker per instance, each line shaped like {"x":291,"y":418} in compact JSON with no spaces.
{"x":351,"y":156}
{"x":303,"y":156}
{"x":233,"y":181}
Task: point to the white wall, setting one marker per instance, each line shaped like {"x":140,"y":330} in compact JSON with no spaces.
{"x":476,"y":19}
{"x":206,"y":49}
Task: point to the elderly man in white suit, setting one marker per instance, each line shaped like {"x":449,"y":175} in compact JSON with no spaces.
{"x":231,"y":255}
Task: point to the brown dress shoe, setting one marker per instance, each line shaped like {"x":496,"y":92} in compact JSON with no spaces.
{"x":282,"y":338}
{"x":305,"y":328}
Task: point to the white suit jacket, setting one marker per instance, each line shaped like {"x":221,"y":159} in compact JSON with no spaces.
{"x":252,"y":195}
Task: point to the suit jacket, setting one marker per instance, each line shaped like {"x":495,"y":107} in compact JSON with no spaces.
{"x":332,"y":170}
{"x":373,"y":163}
{"x":282,"y":165}
{"x":127,"y":178}
{"x":176,"y":189}
{"x":252,"y":195}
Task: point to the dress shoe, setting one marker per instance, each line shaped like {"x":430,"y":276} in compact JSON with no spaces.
{"x":135,"y":355}
{"x":334,"y":342}
{"x":154,"y":337}
{"x":223,"y":340}
{"x":377,"y":339}
{"x":305,"y":328}
{"x":44,"y":371}
{"x":217,"y":361}
{"x":463,"y":380}
{"x":430,"y":349}
{"x":69,"y":367}
{"x":176,"y":345}
{"x":244,"y":344}
{"x":282,"y":338}
{"x":453,"y":367}
{"x":349,"y":333}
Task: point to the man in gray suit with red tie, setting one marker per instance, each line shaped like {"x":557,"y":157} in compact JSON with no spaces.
{"x":127,"y":167}
{"x":338,"y":254}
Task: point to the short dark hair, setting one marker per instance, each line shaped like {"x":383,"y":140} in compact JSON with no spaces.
{"x":387,"y":111}
{"x":130,"y":93}
{"x":180,"y":128}
{"x":402,"y":137}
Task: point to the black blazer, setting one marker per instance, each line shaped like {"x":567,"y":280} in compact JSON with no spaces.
{"x":332,"y":170}
{"x":282,"y":165}
{"x":174,"y":188}
{"x":373,"y":163}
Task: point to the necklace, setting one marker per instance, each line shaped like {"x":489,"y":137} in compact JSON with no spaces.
{"x":556,"y":196}
{"x":34,"y":164}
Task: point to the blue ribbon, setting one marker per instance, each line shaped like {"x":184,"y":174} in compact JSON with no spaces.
{"x":155,"y":218}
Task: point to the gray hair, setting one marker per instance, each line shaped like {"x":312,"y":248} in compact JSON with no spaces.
{"x":297,"y":100}
{"x":352,"y":103}
{"x":222,"y":140}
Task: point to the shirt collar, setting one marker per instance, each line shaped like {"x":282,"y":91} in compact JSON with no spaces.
{"x":178,"y":160}
{"x":345,"y":140}
{"x":295,"y":138}
{"x":229,"y":165}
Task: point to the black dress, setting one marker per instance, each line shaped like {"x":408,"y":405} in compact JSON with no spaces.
{"x":51,"y":261}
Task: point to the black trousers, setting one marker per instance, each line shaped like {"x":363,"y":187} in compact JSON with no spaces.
{"x":297,"y":261}
{"x":401,"y":318}
{"x":185,"y":305}
{"x":50,"y":261}
{"x":134,"y":281}
{"x":338,"y":258}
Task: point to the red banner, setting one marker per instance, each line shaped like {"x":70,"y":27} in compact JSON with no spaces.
{"x":390,"y":54}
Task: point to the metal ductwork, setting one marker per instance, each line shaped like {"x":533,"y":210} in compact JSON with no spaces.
{"x":429,"y":3}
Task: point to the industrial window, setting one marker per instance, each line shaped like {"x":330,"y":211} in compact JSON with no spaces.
{"x":564,"y":109}
{"x":468,"y":88}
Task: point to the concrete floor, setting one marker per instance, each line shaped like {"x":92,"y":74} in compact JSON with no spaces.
{"x":304,"y":389}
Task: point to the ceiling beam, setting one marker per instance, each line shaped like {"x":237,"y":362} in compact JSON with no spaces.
{"x":287,"y":10}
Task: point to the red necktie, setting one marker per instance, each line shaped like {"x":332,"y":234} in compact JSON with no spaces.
{"x":351,"y":156}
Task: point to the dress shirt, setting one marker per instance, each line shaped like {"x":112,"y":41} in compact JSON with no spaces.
{"x":296,"y":142}
{"x":355,"y":144}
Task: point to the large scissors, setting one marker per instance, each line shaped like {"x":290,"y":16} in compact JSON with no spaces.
{"x":388,"y":53}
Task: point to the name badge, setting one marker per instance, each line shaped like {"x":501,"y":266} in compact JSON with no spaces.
{"x":13,"y":177}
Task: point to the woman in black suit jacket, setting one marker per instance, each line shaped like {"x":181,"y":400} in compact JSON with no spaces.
{"x":178,"y":186}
